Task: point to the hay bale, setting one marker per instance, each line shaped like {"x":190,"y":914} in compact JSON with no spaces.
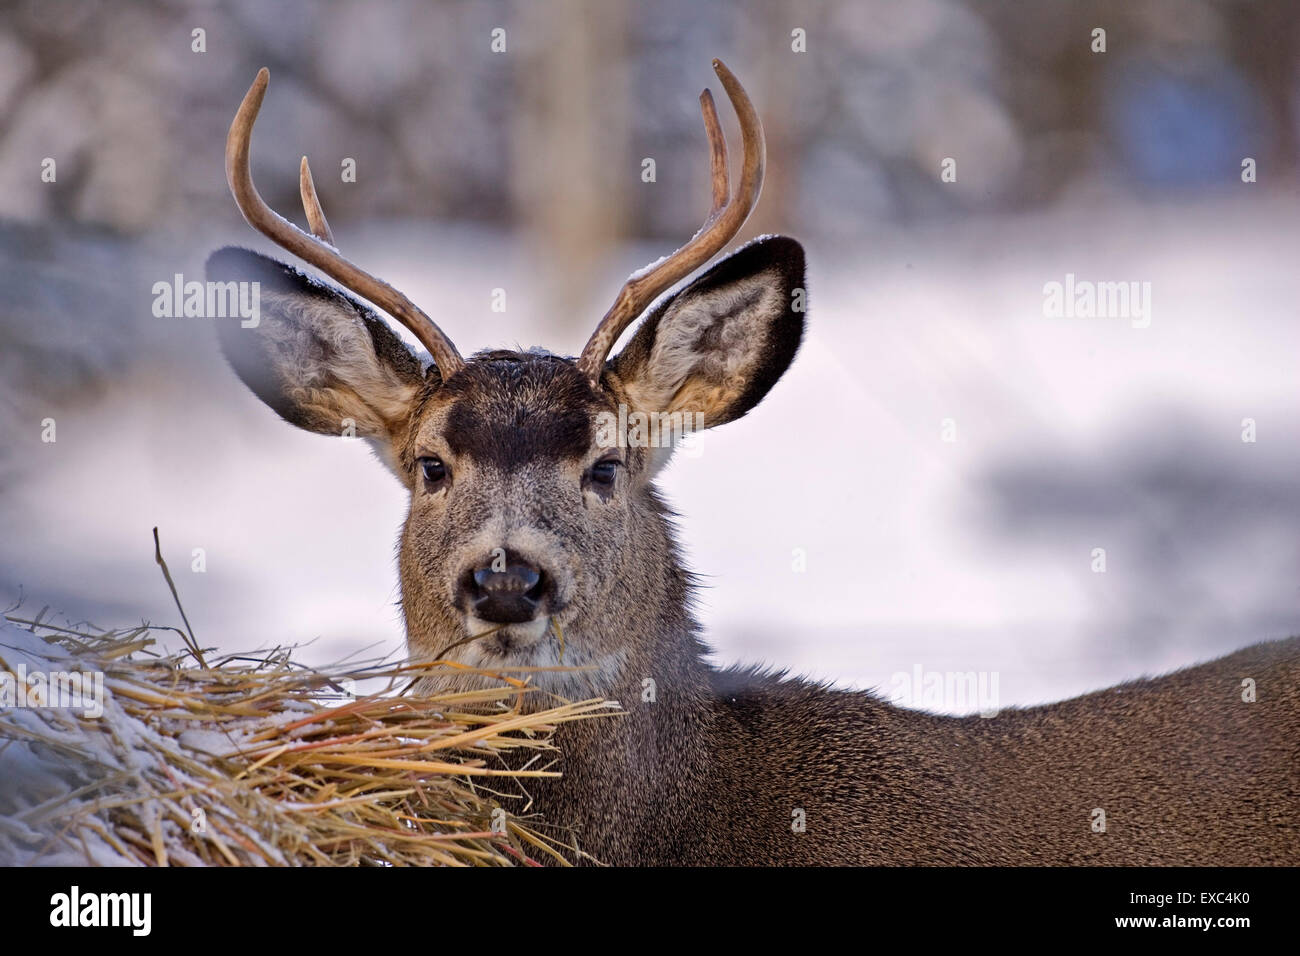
{"x":253,"y":759}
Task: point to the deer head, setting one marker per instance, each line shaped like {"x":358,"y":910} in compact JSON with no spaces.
{"x":533,"y":516}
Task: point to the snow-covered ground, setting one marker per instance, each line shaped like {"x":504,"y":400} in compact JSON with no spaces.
{"x":970,"y":555}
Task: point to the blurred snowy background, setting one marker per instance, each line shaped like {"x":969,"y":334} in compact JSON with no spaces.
{"x":521,"y":170}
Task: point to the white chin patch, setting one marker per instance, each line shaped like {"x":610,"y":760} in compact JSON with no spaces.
{"x":521,"y":635}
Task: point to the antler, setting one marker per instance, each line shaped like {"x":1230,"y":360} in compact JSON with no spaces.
{"x":318,"y":248}
{"x":720,"y":227}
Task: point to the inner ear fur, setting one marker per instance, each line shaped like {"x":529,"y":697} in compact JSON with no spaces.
{"x":719,"y":345}
{"x":319,"y":358}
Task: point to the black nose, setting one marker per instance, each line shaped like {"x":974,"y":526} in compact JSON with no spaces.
{"x":510,"y":595}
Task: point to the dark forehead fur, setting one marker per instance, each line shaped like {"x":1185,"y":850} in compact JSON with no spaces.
{"x":508,"y":408}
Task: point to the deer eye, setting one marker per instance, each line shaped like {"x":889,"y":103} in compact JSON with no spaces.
{"x":603,"y":472}
{"x":433,"y":469}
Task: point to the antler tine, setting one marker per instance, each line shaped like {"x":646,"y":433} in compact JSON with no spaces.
{"x":312,"y":248}
{"x":726,"y":217}
{"x":320,"y":227}
{"x":718,"y":175}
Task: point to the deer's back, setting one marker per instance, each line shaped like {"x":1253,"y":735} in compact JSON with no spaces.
{"x":1184,"y":770}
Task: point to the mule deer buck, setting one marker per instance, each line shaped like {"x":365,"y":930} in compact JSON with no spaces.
{"x":529,"y":526}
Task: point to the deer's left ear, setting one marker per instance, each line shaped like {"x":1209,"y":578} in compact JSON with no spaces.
{"x":720,"y":344}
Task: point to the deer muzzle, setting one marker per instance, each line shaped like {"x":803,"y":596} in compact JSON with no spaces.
{"x":509,"y":590}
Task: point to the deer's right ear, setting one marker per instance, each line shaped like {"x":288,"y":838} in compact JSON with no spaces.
{"x":323,"y":361}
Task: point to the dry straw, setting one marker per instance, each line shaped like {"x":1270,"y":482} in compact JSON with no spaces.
{"x":253,"y":759}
